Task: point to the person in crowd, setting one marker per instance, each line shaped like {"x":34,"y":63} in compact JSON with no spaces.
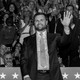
{"x":25,"y":26}
{"x":42,"y":5}
{"x":8,"y":60}
{"x":70,"y":51}
{"x":2,"y":52}
{"x":39,"y":59}
{"x":17,"y":53}
{"x":12,"y":9}
{"x":5,"y":16}
{"x":52,"y":19}
{"x":17,"y":3}
{"x":32,"y":7}
{"x":60,"y":61}
{"x":9,"y":33}
{"x":13,"y":12}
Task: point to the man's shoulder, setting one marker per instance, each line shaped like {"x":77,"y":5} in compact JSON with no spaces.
{"x":29,"y":37}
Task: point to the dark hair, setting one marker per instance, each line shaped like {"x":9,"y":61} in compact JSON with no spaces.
{"x":16,"y":9}
{"x":39,"y":13}
{"x":13,"y":48}
{"x":28,"y":13}
{"x":9,"y":52}
{"x":19,"y":44}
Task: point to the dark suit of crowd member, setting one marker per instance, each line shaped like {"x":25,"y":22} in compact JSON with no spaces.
{"x":30,"y":57}
{"x":51,"y":23}
{"x":70,"y":51}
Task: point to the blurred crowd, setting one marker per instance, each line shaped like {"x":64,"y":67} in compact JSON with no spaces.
{"x":16,"y":23}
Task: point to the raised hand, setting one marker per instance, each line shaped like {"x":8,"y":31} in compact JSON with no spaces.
{"x":66,"y":19}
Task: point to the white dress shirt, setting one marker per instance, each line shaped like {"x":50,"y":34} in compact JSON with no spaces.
{"x":39,"y":67}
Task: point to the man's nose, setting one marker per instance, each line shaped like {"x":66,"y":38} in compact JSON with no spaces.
{"x":39,"y":22}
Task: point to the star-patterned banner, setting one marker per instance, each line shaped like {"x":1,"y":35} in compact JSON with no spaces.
{"x":70,"y":73}
{"x":10,"y":73}
{"x":14,"y":73}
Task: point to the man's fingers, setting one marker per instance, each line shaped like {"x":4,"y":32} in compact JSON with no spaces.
{"x":64,"y":14}
{"x":71,"y":16}
{"x":68,"y":14}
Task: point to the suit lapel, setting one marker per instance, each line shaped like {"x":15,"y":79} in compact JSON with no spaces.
{"x":34,"y":45}
{"x":49,"y":41}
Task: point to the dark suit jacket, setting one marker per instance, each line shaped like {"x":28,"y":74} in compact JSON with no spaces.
{"x":29,"y":56}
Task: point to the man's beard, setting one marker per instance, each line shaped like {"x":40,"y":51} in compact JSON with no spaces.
{"x":41,"y":29}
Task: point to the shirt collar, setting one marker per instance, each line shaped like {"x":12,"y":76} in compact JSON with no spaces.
{"x":43,"y":33}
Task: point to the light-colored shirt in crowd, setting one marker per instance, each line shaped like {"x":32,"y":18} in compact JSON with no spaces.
{"x":25,"y":32}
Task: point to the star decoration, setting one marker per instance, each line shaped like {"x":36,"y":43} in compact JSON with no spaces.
{"x":2,"y":76}
{"x":77,"y":75}
{"x":65,"y":76}
{"x":15,"y":76}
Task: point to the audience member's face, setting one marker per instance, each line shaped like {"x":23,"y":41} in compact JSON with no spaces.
{"x":26,"y":16}
{"x":40,"y":22}
{"x":2,"y":49}
{"x":60,"y":60}
{"x":11,"y":8}
{"x":8,"y":60}
{"x":18,"y":47}
{"x":17,"y":50}
{"x":8,"y":49}
{"x":31,"y":5}
{"x":70,"y":9}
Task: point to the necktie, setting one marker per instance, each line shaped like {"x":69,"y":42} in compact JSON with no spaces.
{"x":42,"y":52}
